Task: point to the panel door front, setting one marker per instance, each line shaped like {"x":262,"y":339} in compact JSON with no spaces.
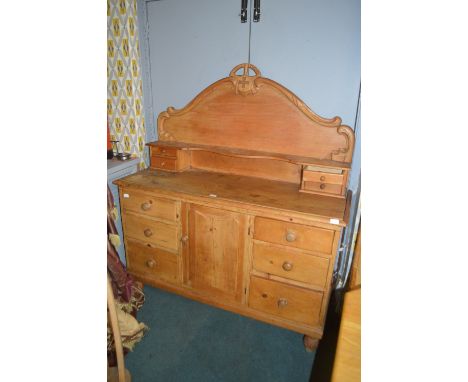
{"x":216,"y":251}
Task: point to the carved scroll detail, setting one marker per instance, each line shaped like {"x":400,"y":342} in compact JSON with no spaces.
{"x":163,"y":134}
{"x":344,"y":154}
{"x":245,"y":84}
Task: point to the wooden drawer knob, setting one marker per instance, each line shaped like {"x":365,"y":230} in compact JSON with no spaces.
{"x":150,"y":263}
{"x":322,"y":178}
{"x":148,"y":232}
{"x":184,"y":239}
{"x":290,"y":235}
{"x":287,"y":266}
{"x":145,"y":206}
{"x":163,"y":151}
{"x":322,"y":186}
{"x":163,"y":164}
{"x":282,"y":302}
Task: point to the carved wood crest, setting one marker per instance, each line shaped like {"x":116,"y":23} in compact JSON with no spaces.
{"x":245,"y":84}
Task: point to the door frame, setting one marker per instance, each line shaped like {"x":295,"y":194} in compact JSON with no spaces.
{"x":145,"y":65}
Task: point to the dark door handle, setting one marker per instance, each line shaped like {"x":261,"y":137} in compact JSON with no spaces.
{"x":243,"y":14}
{"x":256,"y":14}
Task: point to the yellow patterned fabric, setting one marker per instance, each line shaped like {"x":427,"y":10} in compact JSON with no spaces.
{"x":124,"y":87}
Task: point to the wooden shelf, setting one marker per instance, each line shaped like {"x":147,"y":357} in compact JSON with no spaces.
{"x":253,"y":154}
{"x":262,"y":193}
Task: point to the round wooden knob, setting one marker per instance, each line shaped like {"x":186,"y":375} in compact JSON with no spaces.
{"x":163,"y":151}
{"x":287,"y":266}
{"x":322,"y":178}
{"x":282,"y":302}
{"x":290,"y":235}
{"x":145,"y":206}
{"x":148,"y":232}
{"x":184,"y":239}
{"x":322,"y":186}
{"x":163,"y":163}
{"x":150,"y":263}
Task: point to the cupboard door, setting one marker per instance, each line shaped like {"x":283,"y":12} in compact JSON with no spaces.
{"x":216,"y":251}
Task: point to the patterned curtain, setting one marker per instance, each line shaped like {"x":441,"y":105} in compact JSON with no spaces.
{"x":124,"y":87}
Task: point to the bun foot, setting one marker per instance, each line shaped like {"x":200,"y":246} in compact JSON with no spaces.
{"x":310,"y":344}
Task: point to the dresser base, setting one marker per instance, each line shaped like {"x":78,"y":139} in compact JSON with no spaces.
{"x":313,"y":333}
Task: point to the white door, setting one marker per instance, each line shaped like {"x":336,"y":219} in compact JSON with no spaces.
{"x":313,"y":48}
{"x":187,"y":46}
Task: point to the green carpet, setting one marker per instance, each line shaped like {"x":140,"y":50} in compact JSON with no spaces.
{"x":190,"y":341}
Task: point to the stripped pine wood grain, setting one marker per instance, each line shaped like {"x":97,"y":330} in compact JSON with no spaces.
{"x":244,"y":203}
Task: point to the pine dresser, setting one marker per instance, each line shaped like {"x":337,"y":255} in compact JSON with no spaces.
{"x":243,"y":204}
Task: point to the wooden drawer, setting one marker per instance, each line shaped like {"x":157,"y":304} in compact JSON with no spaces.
{"x":292,"y":303}
{"x":322,"y":177}
{"x":164,"y":151}
{"x":164,"y":163}
{"x":328,"y":183}
{"x":149,"y":205}
{"x":151,"y":231}
{"x":152,"y":262}
{"x":335,"y":189}
{"x":294,"y":235}
{"x":290,"y":264}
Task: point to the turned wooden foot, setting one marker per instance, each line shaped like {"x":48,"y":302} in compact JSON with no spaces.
{"x":310,"y":343}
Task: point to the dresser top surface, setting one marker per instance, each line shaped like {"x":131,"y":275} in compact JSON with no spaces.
{"x":239,"y":189}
